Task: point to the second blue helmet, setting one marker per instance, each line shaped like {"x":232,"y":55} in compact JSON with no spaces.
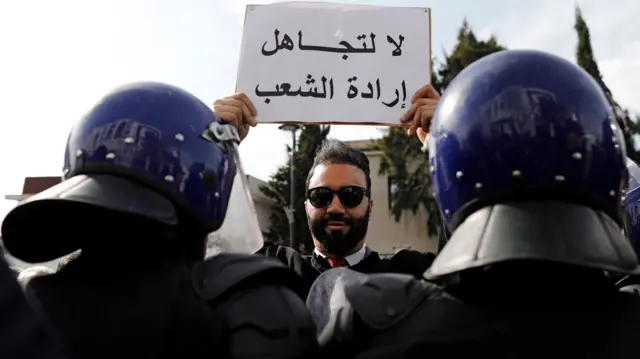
{"x":527,"y":163}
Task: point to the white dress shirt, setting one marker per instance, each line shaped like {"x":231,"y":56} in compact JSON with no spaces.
{"x":352,"y":259}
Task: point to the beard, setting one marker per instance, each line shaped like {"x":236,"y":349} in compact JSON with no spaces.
{"x":337,"y":242}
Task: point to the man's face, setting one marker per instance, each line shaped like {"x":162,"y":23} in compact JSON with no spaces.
{"x":338,"y":208}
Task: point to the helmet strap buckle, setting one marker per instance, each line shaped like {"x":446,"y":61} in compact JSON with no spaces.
{"x":221,"y":132}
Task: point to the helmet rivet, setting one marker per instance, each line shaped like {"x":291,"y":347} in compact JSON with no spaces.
{"x":216,"y":195}
{"x":79,"y":153}
{"x":577,"y":156}
{"x":459,"y":174}
{"x":478,"y":185}
{"x":110,"y":156}
{"x":168,"y":178}
{"x":516,"y":173}
{"x":612,"y":193}
{"x":128,"y":140}
{"x":179,"y":137}
{"x":560,"y":178}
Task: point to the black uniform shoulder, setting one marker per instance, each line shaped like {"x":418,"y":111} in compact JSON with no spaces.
{"x":378,"y":302}
{"x":221,"y":276}
{"x":629,"y":284}
{"x":631,"y":288}
{"x":382,"y":300}
{"x":258,"y":298}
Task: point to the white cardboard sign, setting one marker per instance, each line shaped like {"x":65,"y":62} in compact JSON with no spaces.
{"x":333,"y":63}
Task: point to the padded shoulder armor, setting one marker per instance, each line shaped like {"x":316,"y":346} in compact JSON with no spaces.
{"x":382,"y":300}
{"x":259,"y":301}
{"x":221,"y":276}
{"x":632,"y":288}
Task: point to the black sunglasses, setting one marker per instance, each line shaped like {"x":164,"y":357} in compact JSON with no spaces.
{"x":350,"y":196}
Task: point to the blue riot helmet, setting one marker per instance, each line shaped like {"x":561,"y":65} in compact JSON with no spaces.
{"x":150,"y":150}
{"x":631,"y":205}
{"x":528,"y":163}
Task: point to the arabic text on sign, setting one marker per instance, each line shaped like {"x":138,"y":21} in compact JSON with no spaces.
{"x":346,"y":48}
{"x":373,"y":90}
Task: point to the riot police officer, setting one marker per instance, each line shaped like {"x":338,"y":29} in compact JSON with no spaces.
{"x":527,"y":168}
{"x":152,"y":180}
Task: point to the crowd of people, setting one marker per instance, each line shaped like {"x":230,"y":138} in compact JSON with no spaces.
{"x":538,"y":198}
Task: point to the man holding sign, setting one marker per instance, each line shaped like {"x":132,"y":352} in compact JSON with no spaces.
{"x":325,"y":99}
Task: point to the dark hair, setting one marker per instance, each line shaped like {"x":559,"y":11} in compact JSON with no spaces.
{"x":335,"y":152}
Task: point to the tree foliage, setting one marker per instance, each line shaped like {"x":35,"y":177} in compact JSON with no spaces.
{"x":467,"y":50}
{"x":277,"y":189}
{"x":403,"y":159}
{"x":586,"y":59}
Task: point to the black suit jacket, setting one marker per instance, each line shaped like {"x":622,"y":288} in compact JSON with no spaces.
{"x":406,"y":262}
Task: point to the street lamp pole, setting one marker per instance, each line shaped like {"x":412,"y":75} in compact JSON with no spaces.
{"x":293,"y":128}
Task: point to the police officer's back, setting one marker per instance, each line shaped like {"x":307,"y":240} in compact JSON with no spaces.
{"x":527,"y":168}
{"x":150,"y":174}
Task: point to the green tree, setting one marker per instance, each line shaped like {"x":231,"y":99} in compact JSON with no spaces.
{"x":586,"y":59}
{"x":403,"y":159}
{"x":467,"y":50}
{"x":277,"y":188}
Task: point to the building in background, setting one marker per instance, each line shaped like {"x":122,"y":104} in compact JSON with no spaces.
{"x":34,"y":185}
{"x":386,"y":235}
